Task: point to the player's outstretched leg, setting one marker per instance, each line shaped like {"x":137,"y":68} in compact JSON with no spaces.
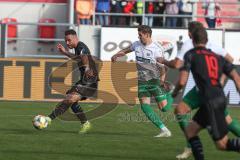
{"x":86,"y":125}
{"x":63,"y":106}
{"x":155,"y":119}
{"x":59,"y":110}
{"x":147,"y":90}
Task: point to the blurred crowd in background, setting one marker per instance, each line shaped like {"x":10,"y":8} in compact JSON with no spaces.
{"x":134,"y":12}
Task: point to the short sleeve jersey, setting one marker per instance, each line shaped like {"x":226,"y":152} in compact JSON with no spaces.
{"x":207,"y":68}
{"x":82,"y":49}
{"x":146,"y":59}
{"x":188,"y":45}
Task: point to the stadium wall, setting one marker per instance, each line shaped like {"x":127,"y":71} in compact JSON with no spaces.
{"x":171,"y":39}
{"x":49,"y":79}
{"x":32,"y":12}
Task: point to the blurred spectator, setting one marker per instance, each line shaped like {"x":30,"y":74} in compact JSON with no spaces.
{"x":103,"y":6}
{"x":129,"y":9}
{"x":159,"y":8}
{"x":117,"y":6}
{"x":186,"y":8}
{"x":84,"y":9}
{"x":149,"y":9}
{"x":139,"y":11}
{"x":171,"y":9}
{"x":211,"y":9}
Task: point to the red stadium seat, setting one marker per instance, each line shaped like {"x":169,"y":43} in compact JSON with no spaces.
{"x":12,"y":28}
{"x":45,"y":31}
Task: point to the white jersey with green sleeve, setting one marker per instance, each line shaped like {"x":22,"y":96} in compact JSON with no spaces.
{"x":146,"y":59}
{"x":188,"y":44}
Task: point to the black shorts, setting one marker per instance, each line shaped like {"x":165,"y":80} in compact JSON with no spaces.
{"x":211,"y":116}
{"x":84,"y":90}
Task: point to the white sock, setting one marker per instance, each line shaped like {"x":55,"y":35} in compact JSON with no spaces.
{"x":164,"y":129}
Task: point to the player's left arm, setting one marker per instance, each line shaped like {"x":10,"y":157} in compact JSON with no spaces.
{"x":184,"y":73}
{"x":175,"y":63}
{"x":86,"y":64}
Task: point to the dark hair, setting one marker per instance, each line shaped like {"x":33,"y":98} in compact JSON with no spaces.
{"x":70,"y":32}
{"x":200,"y":36}
{"x":193,"y":26}
{"x":145,"y":29}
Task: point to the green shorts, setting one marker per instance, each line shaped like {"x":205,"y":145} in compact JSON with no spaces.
{"x":192,"y":99}
{"x":151,"y":88}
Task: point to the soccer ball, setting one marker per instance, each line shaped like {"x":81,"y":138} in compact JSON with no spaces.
{"x":40,"y":122}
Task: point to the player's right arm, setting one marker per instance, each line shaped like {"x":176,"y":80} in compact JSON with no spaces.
{"x":65,"y":52}
{"x":121,"y":53}
{"x":184,"y":74}
{"x":175,"y":63}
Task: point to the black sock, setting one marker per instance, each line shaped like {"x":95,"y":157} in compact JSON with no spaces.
{"x":59,"y":110}
{"x":197,"y":148}
{"x":77,"y":109}
{"x":233,"y":145}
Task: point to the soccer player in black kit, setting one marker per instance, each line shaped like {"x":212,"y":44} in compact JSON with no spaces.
{"x":207,"y":68}
{"x":87,"y":85}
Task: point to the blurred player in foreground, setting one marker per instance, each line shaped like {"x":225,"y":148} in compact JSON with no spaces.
{"x":85,"y":87}
{"x":147,"y":53}
{"x":207,"y":69}
{"x":191,"y":99}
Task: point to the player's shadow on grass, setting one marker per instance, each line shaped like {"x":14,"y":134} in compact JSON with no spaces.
{"x":34,"y":131}
{"x":16,"y":131}
{"x":117,"y":133}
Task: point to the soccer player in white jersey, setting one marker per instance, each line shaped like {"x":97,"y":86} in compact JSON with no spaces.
{"x":147,"y":54}
{"x":191,"y":99}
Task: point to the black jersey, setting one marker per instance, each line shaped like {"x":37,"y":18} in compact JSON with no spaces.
{"x":82,"y":49}
{"x":207,"y":68}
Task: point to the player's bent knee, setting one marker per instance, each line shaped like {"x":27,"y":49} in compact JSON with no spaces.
{"x":72,"y":98}
{"x":182,"y":108}
{"x":162,"y":104}
{"x":166,"y":106}
{"x":144,"y":100}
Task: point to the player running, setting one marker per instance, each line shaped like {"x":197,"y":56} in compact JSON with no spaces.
{"x":147,"y":53}
{"x":87,"y":85}
{"x":207,"y":69}
{"x":191,"y":99}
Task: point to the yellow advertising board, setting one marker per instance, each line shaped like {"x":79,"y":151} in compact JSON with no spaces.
{"x":49,"y":79}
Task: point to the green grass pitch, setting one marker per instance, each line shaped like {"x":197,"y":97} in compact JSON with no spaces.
{"x":123,"y":134}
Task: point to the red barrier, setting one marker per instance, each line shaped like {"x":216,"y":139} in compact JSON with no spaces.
{"x":45,"y":31}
